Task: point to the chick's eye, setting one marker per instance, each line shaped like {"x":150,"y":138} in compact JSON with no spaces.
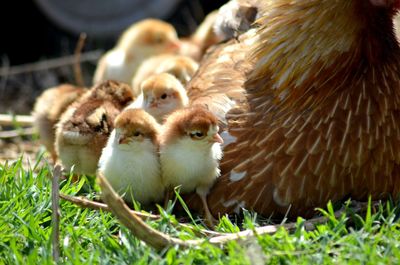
{"x":163,"y":96}
{"x":158,"y":39}
{"x":136,"y":134}
{"x":197,"y":135}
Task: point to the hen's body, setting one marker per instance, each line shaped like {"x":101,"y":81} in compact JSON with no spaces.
{"x":311,"y":104}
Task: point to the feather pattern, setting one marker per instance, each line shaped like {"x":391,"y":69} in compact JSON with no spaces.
{"x":316,"y":92}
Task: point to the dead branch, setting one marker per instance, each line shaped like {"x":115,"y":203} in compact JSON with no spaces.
{"x":91,"y":56}
{"x":77,"y":65}
{"x":22,"y":120}
{"x":309,"y":225}
{"x":16,"y":133}
{"x":139,"y":228}
{"x":55,"y":205}
{"x":86,"y":203}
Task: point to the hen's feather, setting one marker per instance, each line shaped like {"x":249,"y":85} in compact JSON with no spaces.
{"x":312,"y":103}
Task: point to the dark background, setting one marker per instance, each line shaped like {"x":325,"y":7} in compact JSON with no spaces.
{"x":28,"y":36}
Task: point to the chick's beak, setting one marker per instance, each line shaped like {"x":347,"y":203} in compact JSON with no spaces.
{"x":217,"y":139}
{"x":173,"y":46}
{"x":154,"y":104}
{"x":123,"y":139}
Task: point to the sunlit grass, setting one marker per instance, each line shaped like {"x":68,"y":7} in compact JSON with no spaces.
{"x":96,"y":237}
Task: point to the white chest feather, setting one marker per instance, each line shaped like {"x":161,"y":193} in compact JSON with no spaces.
{"x":133,"y":170}
{"x":189,"y":165}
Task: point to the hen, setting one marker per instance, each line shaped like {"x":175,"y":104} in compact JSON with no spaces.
{"x":309,"y":104}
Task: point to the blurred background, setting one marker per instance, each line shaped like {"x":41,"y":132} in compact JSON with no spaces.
{"x":40,"y":36}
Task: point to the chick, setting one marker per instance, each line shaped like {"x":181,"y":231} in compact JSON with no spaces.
{"x":180,"y":66}
{"x":162,"y":94}
{"x":130,"y":160}
{"x":140,"y":41}
{"x":83,"y":129}
{"x":47,"y":111}
{"x":190,"y":151}
{"x":146,"y":69}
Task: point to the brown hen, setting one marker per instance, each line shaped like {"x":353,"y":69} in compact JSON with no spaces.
{"x":309,"y":105}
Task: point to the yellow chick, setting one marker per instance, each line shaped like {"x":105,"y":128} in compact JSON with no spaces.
{"x":161,"y":95}
{"x":142,"y":40}
{"x":180,"y":66}
{"x":130,"y":160}
{"x":190,"y":151}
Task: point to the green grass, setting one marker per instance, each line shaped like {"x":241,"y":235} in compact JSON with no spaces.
{"x":95,"y":237}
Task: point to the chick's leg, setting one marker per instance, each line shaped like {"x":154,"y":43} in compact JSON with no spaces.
{"x":202,"y":191}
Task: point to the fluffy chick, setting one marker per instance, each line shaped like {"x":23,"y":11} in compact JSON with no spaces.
{"x":180,"y":66}
{"x":146,"y":69}
{"x":48,"y":109}
{"x":130,"y":160}
{"x":162,"y":94}
{"x":190,"y":151}
{"x":83,"y":129}
{"x":142,"y":40}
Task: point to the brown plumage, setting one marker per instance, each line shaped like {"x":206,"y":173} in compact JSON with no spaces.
{"x":310,"y":104}
{"x":84,"y":127}
{"x":48,"y":109}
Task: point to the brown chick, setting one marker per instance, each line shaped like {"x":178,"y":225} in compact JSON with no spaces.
{"x":180,"y":66}
{"x":48,"y":109}
{"x":162,"y":94}
{"x":190,"y":150}
{"x":83,"y":129}
{"x":140,"y":41}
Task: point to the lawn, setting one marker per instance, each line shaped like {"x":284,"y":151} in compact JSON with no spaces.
{"x":90,"y":236}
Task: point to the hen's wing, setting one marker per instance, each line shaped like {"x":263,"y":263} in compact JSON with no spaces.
{"x":219,"y":83}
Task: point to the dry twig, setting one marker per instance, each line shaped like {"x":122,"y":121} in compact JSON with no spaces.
{"x":16,"y":133}
{"x":86,"y":203}
{"x":77,"y":65}
{"x":55,"y":205}
{"x":91,"y":56}
{"x":22,"y":120}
